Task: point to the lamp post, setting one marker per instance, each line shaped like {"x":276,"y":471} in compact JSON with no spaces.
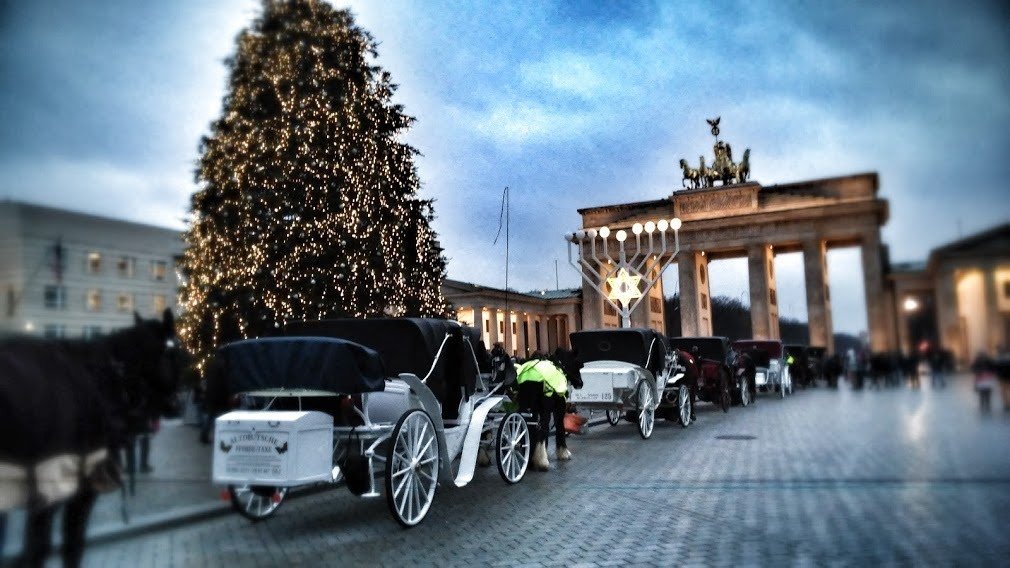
{"x":633,"y":265}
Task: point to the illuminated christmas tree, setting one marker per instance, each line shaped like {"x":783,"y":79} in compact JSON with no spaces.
{"x":307,"y":204}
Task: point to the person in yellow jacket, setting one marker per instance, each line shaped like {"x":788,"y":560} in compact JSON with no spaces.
{"x":543,"y":387}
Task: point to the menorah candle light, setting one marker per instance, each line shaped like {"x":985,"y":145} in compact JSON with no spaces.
{"x":632,"y":268}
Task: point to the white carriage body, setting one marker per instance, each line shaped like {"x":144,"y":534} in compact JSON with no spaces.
{"x":273,"y":447}
{"x":607,"y":383}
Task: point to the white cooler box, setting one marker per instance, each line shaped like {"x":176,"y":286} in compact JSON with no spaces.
{"x":599,"y":382}
{"x":268,"y":447}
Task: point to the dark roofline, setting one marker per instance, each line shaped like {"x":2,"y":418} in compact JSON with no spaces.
{"x":873,"y":176}
{"x":624,"y":206}
{"x":972,"y":239}
{"x":475,"y":288}
{"x":93,"y":216}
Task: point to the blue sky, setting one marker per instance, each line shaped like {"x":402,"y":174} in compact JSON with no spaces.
{"x":571,"y":104}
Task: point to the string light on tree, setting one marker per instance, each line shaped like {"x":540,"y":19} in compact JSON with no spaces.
{"x":307,"y":204}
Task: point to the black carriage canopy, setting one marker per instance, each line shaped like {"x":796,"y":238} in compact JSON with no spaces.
{"x":301,"y":365}
{"x":712,"y":348}
{"x":410,"y":345}
{"x":630,"y":345}
{"x":760,"y":351}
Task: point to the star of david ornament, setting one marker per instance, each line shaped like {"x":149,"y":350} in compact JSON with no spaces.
{"x":624,"y":287}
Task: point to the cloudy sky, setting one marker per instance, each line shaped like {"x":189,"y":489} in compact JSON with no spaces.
{"x":571,"y":104}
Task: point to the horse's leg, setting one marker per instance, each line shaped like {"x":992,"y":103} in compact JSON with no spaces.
{"x":543,"y":418}
{"x":130,"y":449}
{"x":145,"y":453}
{"x":560,"y":436}
{"x":38,"y":535}
{"x":75,"y":523}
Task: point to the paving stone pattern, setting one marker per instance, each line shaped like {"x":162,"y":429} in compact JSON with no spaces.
{"x":832,"y":478}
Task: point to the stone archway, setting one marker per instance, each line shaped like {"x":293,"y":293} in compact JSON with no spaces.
{"x":756,"y":222}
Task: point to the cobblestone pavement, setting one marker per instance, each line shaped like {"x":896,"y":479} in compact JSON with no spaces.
{"x":878,"y":477}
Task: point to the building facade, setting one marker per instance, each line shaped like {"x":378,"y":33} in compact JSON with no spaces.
{"x":959,"y":298}
{"x":522,"y":322}
{"x":70,"y":274}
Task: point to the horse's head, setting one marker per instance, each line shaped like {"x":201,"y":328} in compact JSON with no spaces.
{"x":566,"y":360}
{"x":152,"y":363}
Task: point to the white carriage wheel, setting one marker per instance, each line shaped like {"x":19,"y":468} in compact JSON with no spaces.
{"x":412,"y":468}
{"x":512,"y":447}
{"x":256,"y":502}
{"x":684,"y":404}
{"x":646,"y":413}
{"x":613,"y":416}
{"x":744,"y":392}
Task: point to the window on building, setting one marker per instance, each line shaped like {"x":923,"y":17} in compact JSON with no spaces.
{"x":91,"y":331}
{"x":93,"y":300}
{"x":487,"y":326}
{"x":655,"y":304}
{"x":501,"y":327}
{"x":608,"y":309}
{"x":704,"y":301}
{"x":159,"y":270}
{"x":772,"y":297}
{"x":536,"y":330}
{"x":159,"y":303}
{"x":1006,"y":289}
{"x":125,"y":302}
{"x":55,"y":297}
{"x":54,"y":331}
{"x":513,"y":327}
{"x":94,"y":262}
{"x":126,"y":266}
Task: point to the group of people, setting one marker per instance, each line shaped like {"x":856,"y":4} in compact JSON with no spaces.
{"x":989,"y":372}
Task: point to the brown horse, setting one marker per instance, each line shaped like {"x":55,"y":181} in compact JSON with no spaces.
{"x":65,"y":406}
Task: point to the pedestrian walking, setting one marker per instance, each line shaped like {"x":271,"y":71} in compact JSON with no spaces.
{"x":985,"y":380}
{"x":936,"y":363}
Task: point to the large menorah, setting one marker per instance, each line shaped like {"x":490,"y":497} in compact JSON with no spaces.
{"x":625,"y":274}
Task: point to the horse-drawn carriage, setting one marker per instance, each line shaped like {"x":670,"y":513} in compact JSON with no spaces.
{"x":720,"y":379}
{"x":769,"y":357}
{"x":356,"y":400}
{"x":630,"y":372}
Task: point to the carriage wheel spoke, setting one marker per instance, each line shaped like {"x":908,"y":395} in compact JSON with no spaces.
{"x":403,"y":481}
{"x":427,"y":445}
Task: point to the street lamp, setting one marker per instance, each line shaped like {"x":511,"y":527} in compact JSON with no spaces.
{"x":911,"y":304}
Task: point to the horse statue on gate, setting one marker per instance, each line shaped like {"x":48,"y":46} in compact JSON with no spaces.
{"x":692,"y":176}
{"x":65,"y":405}
{"x":708,"y":175}
{"x":723,"y":167}
{"x":743,"y":168}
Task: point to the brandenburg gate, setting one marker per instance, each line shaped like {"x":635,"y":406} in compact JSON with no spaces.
{"x":745,"y":219}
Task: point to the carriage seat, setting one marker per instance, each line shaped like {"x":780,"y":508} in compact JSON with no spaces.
{"x":643,"y":347}
{"x":411,"y":345}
